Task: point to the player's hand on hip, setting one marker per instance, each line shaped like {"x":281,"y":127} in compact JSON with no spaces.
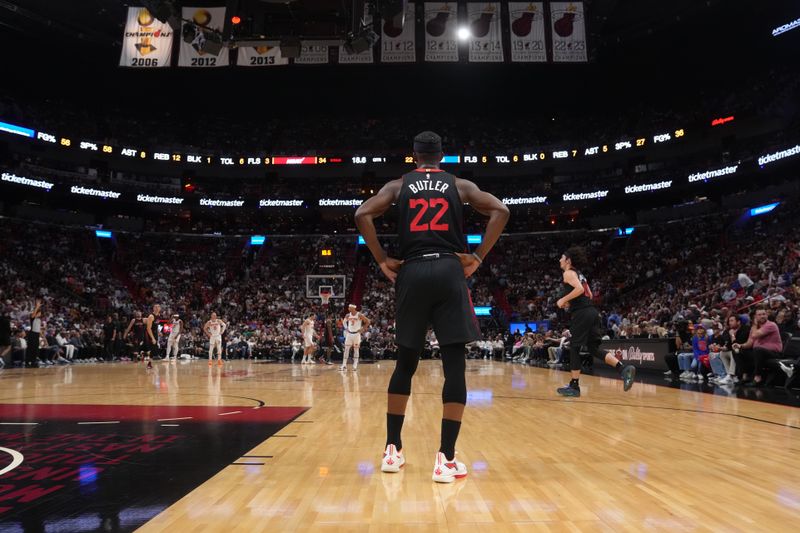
{"x":469,"y":263}
{"x":390,"y":267}
{"x":562,"y":303}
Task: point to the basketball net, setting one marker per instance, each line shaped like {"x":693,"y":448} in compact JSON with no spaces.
{"x":325,"y":296}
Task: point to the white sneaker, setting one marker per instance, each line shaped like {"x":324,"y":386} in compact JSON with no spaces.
{"x":684,"y":374}
{"x":342,"y":368}
{"x":725,"y":380}
{"x":698,"y":377}
{"x":445,"y":471}
{"x":667,"y":373}
{"x":787,"y":369}
{"x":392,"y":459}
{"x":355,"y":369}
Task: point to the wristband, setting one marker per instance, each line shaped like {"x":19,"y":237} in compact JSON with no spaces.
{"x":476,"y":256}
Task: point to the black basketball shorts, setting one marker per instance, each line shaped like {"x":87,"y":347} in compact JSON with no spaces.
{"x":585,"y":328}
{"x":433,"y":292}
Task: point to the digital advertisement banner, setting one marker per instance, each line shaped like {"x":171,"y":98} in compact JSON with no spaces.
{"x":260,"y":56}
{"x":147,"y":42}
{"x":568,"y":27}
{"x":211,"y":18}
{"x":398,"y":45}
{"x":486,"y":41}
{"x":526,"y":21}
{"x":441,"y":27}
{"x":641,"y":353}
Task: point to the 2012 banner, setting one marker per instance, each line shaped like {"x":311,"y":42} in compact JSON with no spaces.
{"x":441,"y":26}
{"x":146,"y":42}
{"x":526,"y":22}
{"x":568,"y":26}
{"x":486,"y":37}
{"x":398,"y":45}
{"x":203,"y":18}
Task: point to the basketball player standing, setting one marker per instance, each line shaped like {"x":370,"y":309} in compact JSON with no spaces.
{"x":355,"y":323}
{"x":307,"y":329}
{"x":431,"y":287}
{"x":214,"y":329}
{"x":584,"y":325}
{"x":151,"y":334}
{"x":174,"y":339}
{"x":137,"y":326}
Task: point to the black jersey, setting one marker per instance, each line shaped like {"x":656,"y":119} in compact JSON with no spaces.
{"x":584,"y":300}
{"x":430,"y":214}
{"x":154,"y":328}
{"x":138,"y":329}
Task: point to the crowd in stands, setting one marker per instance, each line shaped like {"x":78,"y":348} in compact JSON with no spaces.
{"x":674,"y":280}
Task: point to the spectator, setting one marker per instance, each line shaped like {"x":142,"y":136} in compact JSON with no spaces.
{"x":763,"y":343}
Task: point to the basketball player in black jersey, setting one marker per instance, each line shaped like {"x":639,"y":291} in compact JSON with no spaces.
{"x":584,"y":325}
{"x":151,"y":336}
{"x":430,"y":286}
{"x":137,"y":326}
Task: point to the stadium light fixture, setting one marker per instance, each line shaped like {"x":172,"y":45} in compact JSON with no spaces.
{"x":762,"y":209}
{"x":464,"y":33}
{"x":102,"y":234}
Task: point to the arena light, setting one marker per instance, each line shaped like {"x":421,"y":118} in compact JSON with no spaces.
{"x":464,"y":33}
{"x":21,"y":180}
{"x":483,"y":310}
{"x":786,"y":27}
{"x":625,"y":231}
{"x":762,"y":209}
{"x":361,"y":240}
{"x":474,"y":239}
{"x":236,"y":20}
{"x":777,"y":156}
{"x":102,"y":234}
{"x":257,"y":240}
{"x":16,"y":130}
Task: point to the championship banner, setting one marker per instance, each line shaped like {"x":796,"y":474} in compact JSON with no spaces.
{"x":399,"y":45}
{"x":486,"y":42}
{"x":526,"y":20}
{"x":312,"y":53}
{"x":365,"y":57}
{"x":212,"y":18}
{"x":568,"y":27}
{"x":441,"y":26}
{"x":147,"y":42}
{"x":260,"y":56}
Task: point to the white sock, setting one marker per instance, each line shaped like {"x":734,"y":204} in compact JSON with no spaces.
{"x":346,"y":355}
{"x":355,"y":357}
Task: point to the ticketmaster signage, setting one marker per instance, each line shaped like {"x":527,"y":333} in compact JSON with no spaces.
{"x":525,"y":200}
{"x":632,"y":189}
{"x":777,"y":156}
{"x":323,"y":202}
{"x":207,"y":202}
{"x":596,"y":195}
{"x":280,"y":203}
{"x":704,"y":176}
{"x":76,"y":189}
{"x":19,"y":180}
{"x":148,"y":199}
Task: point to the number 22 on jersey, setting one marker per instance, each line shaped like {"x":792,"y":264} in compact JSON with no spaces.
{"x":433,"y":222}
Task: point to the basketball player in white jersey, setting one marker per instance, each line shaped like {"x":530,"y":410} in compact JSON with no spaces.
{"x":214,"y":329}
{"x":309,"y":347}
{"x":355,"y":323}
{"x":174,"y":339}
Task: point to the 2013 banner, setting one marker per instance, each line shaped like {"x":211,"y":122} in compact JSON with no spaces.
{"x":486,"y":40}
{"x":204,"y":18}
{"x":398,"y":45}
{"x":441,"y":26}
{"x":526,"y":22}
{"x":260,"y":56}
{"x":146,"y":42}
{"x":568,"y":26}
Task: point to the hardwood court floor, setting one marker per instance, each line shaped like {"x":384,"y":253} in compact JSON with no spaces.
{"x":654,"y":458}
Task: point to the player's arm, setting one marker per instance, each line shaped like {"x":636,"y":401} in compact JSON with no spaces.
{"x":207,"y":329}
{"x":365,"y":322}
{"x":129,"y":328}
{"x":571,"y":278}
{"x":223,"y":326}
{"x":487,"y":205}
{"x":365,"y":216}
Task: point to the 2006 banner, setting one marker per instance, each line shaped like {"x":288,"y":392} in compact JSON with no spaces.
{"x":146,"y":42}
{"x":568,"y":25}
{"x":526,"y":21}
{"x":192,"y":55}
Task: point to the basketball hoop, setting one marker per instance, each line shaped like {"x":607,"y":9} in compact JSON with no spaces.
{"x":325,"y":294}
